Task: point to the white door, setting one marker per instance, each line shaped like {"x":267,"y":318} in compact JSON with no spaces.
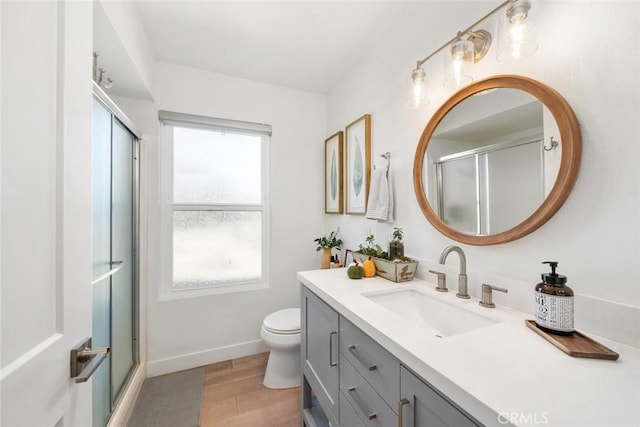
{"x":45,"y":210}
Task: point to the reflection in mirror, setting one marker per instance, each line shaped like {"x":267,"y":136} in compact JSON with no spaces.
{"x":497,"y":160}
{"x":486,"y":165}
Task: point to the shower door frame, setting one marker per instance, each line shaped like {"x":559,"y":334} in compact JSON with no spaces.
{"x":103,"y":99}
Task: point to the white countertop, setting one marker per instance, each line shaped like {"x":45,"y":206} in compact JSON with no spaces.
{"x":498,"y":373}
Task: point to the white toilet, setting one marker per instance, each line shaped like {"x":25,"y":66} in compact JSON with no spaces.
{"x":281,"y":333}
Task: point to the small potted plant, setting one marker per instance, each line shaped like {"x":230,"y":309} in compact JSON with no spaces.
{"x":396,"y":247}
{"x":397,"y":268}
{"x":371,"y":248}
{"x":326,"y":244}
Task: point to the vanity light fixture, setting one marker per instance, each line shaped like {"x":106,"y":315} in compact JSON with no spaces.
{"x":517,"y":34}
{"x":417,"y":92}
{"x":471,"y":45}
{"x":462,"y":53}
{"x":458,"y":63}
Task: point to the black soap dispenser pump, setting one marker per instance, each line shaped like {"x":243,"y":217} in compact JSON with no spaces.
{"x":554,"y":303}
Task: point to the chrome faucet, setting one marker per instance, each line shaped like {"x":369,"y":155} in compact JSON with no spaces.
{"x":462,"y":277}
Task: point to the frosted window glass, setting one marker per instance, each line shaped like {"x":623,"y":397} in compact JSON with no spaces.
{"x":211,"y":248}
{"x":211,"y":166}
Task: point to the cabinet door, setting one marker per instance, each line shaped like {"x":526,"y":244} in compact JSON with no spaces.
{"x":320,"y":352}
{"x":426,"y":407}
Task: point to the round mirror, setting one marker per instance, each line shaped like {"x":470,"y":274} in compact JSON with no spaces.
{"x":497,"y":160}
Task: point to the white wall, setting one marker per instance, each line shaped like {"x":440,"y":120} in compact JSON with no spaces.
{"x":596,"y":234}
{"x":190,"y":332}
{"x":123,"y":48}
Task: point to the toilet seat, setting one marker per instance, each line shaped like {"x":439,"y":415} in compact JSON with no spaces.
{"x":283,"y":322}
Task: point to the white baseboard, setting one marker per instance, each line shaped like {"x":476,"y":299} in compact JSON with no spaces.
{"x":123,"y":411}
{"x":206,"y":357}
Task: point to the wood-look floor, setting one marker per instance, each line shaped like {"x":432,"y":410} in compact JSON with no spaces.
{"x":234,"y":396}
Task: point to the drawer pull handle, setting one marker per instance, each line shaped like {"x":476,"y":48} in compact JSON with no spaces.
{"x":401,"y":404}
{"x":331,"y":362}
{"x":361,"y":407}
{"x":369,"y":366}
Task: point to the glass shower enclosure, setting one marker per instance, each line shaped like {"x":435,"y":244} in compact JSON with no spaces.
{"x":115,"y":255}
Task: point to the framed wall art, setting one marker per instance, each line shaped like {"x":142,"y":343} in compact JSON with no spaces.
{"x":358,"y":168}
{"x":333,"y":174}
{"x":348,"y":257}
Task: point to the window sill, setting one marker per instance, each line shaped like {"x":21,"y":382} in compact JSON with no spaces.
{"x":171,"y":295}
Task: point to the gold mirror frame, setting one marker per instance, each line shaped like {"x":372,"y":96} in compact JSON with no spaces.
{"x":571,"y":141}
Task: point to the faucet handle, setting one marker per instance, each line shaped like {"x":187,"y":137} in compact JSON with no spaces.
{"x":487,"y":295}
{"x":442,"y":281}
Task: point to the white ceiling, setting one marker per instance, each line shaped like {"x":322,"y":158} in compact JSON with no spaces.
{"x":301,"y":44}
{"x":305,"y":45}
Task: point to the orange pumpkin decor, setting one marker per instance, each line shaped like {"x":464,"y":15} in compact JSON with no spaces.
{"x":369,"y":268}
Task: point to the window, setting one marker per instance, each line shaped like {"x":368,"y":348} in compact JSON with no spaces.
{"x":215,"y":214}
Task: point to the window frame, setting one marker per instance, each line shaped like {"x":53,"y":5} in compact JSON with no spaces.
{"x":169,"y":120}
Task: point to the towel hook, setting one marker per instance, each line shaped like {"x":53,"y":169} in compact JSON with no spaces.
{"x":553,"y":146}
{"x":387,"y":156}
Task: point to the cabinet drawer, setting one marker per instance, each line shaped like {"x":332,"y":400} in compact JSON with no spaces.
{"x":370,"y":407}
{"x":379,"y":367}
{"x":348,"y":417}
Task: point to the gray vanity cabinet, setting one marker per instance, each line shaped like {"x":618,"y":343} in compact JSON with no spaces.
{"x":424,"y":406}
{"x":350,"y":380}
{"x":320,"y":353}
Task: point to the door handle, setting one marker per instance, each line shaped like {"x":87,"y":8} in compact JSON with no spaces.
{"x":368,"y":414}
{"x":85,"y":360}
{"x":401,"y":404}
{"x":331,"y":362}
{"x":354,"y":351}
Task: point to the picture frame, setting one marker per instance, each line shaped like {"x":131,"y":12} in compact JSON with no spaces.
{"x":333,"y":174}
{"x":348,"y":257}
{"x":358,"y":165}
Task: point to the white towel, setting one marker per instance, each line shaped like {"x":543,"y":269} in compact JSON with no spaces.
{"x":380,"y":203}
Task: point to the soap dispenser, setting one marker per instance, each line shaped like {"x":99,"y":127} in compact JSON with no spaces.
{"x":554,"y":303}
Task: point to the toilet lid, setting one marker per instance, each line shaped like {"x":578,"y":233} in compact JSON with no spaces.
{"x":285,"y":321}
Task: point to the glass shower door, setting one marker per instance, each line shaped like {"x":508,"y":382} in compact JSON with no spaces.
{"x":459,"y":194}
{"x":122,"y":250}
{"x":101,"y":289}
{"x":114,"y":251}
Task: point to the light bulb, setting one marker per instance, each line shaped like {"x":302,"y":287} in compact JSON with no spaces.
{"x":518,"y":39}
{"x":417,"y":92}
{"x":458,"y":64}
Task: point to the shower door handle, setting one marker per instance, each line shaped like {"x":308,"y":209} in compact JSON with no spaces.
{"x":118,"y":265}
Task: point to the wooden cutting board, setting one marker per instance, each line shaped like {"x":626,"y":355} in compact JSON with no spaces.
{"x":576,"y":344}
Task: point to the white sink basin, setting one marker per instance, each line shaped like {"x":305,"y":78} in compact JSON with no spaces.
{"x":445,"y":318}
